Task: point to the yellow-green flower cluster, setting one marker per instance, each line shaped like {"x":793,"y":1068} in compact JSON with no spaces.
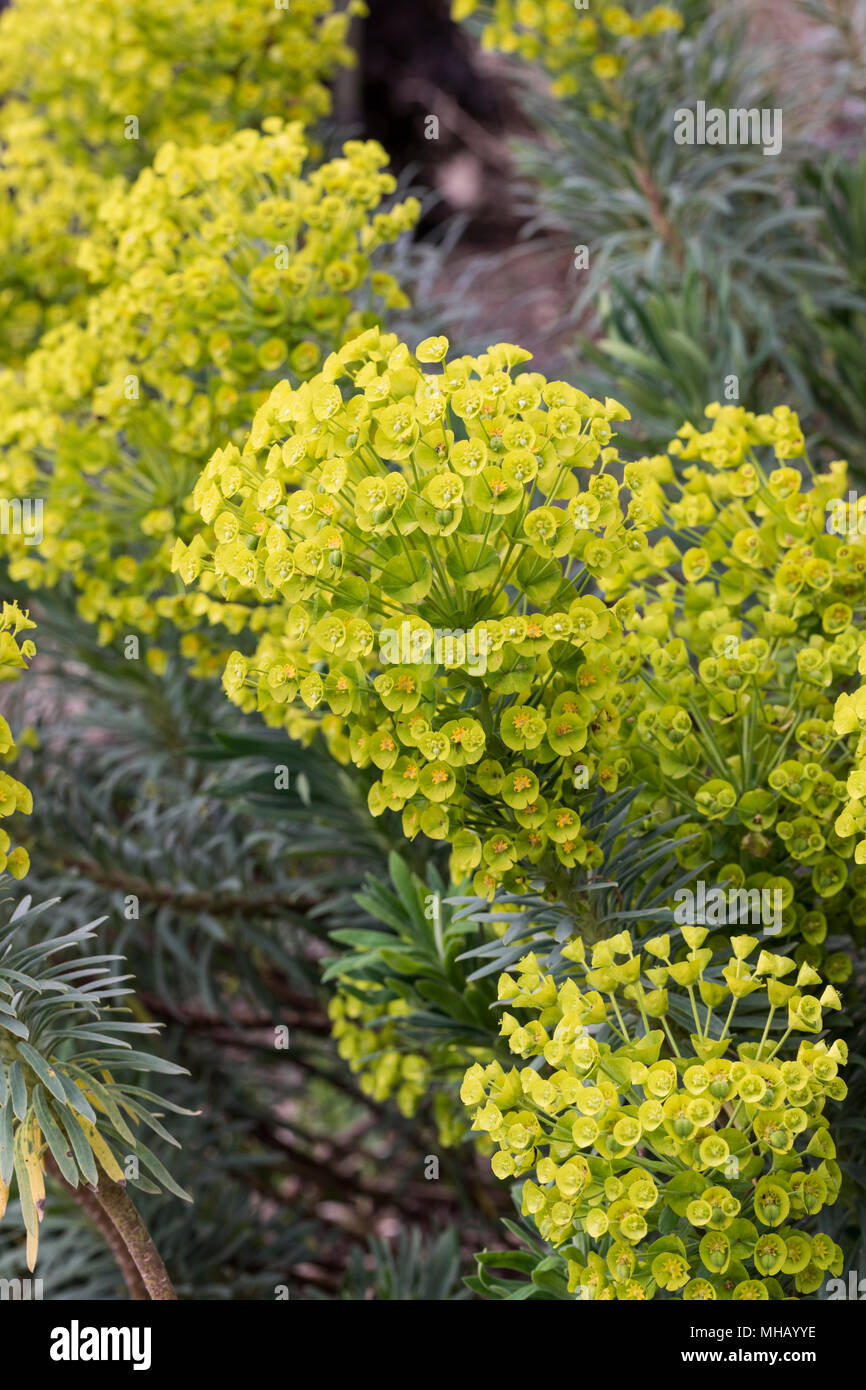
{"x":685,"y":1163}
{"x":224,"y":267}
{"x":15,"y":653}
{"x":194,"y":71}
{"x":44,"y":201}
{"x":748,"y":631}
{"x":369,"y":1039}
{"x":420,"y":553}
{"x":370,"y":1050}
{"x":567,"y":40}
{"x":424,"y":542}
{"x":91,"y":90}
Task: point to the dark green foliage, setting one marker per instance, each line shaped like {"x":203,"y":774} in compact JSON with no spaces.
{"x":415,"y":953}
{"x":672,"y":343}
{"x":411,"y":1270}
{"x":639,"y":873}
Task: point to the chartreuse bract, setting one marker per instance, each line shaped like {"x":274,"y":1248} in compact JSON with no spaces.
{"x":664,"y":1161}
{"x":849,"y":718}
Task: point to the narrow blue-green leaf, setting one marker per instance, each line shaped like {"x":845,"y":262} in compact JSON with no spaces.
{"x":76,"y":1099}
{"x":6,"y":1144}
{"x":56,"y":1140}
{"x":81,"y":1149}
{"x":160,"y":1171}
{"x":46,"y":1073}
{"x":18,"y":1087}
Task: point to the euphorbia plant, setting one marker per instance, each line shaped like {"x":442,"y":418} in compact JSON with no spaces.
{"x":68,"y":1105}
{"x":671,"y":1160}
{"x":447,"y":563}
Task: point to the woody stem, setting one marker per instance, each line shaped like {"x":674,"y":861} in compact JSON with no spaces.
{"x":85,"y":1198}
{"x":112,"y":1212}
{"x":119,"y":1208}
